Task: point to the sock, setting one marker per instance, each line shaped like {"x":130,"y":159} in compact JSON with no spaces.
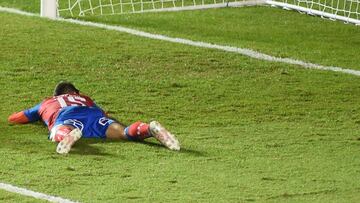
{"x":137,"y":131}
{"x":61,"y":132}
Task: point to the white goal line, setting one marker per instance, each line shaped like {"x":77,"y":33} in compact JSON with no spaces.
{"x":242,"y":51}
{"x":37,"y":195}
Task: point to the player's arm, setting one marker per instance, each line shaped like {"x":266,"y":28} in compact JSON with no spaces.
{"x":26,"y":116}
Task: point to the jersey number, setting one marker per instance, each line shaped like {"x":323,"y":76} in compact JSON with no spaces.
{"x":71,"y":101}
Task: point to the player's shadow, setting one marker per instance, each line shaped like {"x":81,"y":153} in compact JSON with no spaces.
{"x":182,"y":150}
{"x":86,"y":147}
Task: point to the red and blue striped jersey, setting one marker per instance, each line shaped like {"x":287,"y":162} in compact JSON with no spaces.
{"x":49,"y":109}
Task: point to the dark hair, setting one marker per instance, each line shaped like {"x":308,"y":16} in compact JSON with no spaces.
{"x":64,"y":87}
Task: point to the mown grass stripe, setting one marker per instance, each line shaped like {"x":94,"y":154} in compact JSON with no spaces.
{"x":242,"y":51}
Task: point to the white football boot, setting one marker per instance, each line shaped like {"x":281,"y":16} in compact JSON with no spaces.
{"x":65,"y":145}
{"x":164,"y":136}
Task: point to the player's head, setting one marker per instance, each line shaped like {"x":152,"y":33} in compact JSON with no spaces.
{"x":65,"y":88}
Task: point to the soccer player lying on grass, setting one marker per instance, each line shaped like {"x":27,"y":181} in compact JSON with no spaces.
{"x":70,"y":115}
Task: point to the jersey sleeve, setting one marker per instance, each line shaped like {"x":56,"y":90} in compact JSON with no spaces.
{"x":33,"y":113}
{"x":26,"y":116}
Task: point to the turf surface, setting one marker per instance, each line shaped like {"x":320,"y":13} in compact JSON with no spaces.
{"x":250,"y":130}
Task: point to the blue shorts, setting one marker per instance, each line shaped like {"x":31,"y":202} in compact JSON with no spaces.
{"x":90,"y":120}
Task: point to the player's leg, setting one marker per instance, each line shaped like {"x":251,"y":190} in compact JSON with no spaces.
{"x":115,"y":131}
{"x":58,"y":132}
{"x":66,"y":136}
{"x":139,"y":131}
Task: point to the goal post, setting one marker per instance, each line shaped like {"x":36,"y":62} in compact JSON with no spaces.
{"x":49,"y":9}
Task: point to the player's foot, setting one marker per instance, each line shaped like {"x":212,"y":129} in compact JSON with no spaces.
{"x":65,"y":145}
{"x":164,"y":136}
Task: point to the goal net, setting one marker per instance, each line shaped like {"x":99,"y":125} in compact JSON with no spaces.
{"x":345,"y":10}
{"x":108,"y":7}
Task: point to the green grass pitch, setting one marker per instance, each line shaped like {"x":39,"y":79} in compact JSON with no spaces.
{"x":251,"y":131}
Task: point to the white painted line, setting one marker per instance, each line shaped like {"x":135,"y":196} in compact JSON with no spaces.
{"x":16,"y":11}
{"x":37,"y":195}
{"x":242,"y":51}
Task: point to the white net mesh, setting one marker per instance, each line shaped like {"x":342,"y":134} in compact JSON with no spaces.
{"x":346,"y":10}
{"x":108,"y":7}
